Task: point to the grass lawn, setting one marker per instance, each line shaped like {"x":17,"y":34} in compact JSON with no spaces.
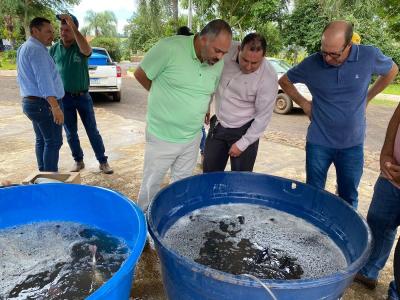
{"x":382,"y":102}
{"x":5,"y":65}
{"x":393,"y":89}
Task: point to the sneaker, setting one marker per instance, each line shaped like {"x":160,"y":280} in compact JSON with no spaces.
{"x":78,"y":165}
{"x":105,"y":168}
{"x":367,"y":282}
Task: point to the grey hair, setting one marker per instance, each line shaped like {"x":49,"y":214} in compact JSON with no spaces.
{"x":215,"y":27}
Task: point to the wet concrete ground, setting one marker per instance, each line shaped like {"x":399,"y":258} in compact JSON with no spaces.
{"x":122,"y":126}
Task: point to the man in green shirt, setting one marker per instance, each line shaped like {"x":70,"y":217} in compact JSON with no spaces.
{"x":71,"y":57}
{"x":181,"y":73}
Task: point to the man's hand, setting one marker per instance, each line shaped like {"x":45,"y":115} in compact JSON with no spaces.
{"x":394,"y":171}
{"x":386,"y":161}
{"x":307,"y":107}
{"x":67,"y":18}
{"x":234,"y":151}
{"x":58,"y":115}
{"x":207,"y":119}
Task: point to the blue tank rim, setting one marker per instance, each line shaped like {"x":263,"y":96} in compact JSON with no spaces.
{"x":130,"y":262}
{"x":349,"y":271}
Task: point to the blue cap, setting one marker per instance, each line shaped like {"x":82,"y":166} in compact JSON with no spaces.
{"x":74,"y":19}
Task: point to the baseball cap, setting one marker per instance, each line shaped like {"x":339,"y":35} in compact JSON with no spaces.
{"x":74,"y":19}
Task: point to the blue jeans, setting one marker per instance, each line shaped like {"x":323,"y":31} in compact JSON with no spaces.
{"x":84,"y":106}
{"x":48,"y":134}
{"x":383,"y":218}
{"x":392,"y":292}
{"x":348,"y":162}
{"x":203,"y":140}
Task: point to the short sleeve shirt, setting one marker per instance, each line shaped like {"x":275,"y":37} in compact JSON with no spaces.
{"x":339,"y":94}
{"x":181,"y":89}
{"x":73,"y":67}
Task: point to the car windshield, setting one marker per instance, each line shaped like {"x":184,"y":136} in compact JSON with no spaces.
{"x":280,"y":66}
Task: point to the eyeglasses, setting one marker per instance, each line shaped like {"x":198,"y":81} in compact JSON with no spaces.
{"x":334,"y":55}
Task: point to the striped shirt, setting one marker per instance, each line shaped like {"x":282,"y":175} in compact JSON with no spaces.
{"x":37,"y":73}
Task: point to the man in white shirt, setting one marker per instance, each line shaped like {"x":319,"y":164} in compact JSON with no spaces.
{"x":245,"y":99}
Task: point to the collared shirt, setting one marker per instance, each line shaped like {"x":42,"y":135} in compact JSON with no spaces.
{"x":72,"y":65}
{"x":339,"y":94}
{"x":242,"y":97}
{"x":37,"y":73}
{"x":181,"y":89}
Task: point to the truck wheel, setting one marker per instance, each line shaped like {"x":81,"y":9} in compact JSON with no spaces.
{"x":117,"y":96}
{"x":283,"y":104}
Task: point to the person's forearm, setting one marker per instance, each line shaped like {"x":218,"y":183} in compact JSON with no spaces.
{"x":83,"y":45}
{"x":291,"y":91}
{"x":141,"y":77}
{"x":382,"y":82}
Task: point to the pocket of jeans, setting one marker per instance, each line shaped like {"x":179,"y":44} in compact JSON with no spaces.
{"x":35,"y":111}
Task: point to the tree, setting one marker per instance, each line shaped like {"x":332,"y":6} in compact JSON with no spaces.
{"x":111,"y":44}
{"x":149,"y":24}
{"x":303,"y":27}
{"x":101,"y":23}
{"x":16,"y":14}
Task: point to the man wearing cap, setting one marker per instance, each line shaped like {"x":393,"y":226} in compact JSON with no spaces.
{"x":338,"y":78}
{"x":71,"y":57}
{"x":41,"y":89}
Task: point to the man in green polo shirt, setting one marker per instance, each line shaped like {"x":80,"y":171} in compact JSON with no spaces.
{"x":71,"y":57}
{"x":181,"y":73}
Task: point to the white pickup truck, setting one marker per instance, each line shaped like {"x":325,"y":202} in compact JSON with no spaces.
{"x":104,"y":74}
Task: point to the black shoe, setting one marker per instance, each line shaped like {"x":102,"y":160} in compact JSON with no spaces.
{"x":369,"y":283}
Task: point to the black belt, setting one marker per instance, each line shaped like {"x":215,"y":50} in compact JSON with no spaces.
{"x":33,"y":98}
{"x":77,"y":94}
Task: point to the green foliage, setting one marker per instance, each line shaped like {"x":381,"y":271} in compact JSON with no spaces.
{"x":112,"y":45}
{"x":304,"y":26}
{"x":10,"y":56}
{"x":393,"y":89}
{"x":382,"y":102}
{"x":16,"y":15}
{"x":150,"y":24}
{"x":100,"y":23}
{"x":8,"y":60}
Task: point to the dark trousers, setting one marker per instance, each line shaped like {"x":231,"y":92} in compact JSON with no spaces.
{"x":48,"y":134}
{"x":218,"y":142}
{"x":84,"y":106}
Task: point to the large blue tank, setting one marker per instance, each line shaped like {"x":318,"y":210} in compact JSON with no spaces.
{"x":93,"y":206}
{"x":187,"y":280}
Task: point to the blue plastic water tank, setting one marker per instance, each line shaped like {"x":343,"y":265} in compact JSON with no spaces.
{"x":97,"y":59}
{"x":187,"y":280}
{"x":93,"y":206}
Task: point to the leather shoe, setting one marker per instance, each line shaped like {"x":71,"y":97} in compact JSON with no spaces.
{"x":78,"y":165}
{"x":105,"y":168}
{"x":369,"y":283}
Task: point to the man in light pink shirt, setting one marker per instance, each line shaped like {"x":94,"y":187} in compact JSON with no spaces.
{"x":245,"y":99}
{"x":384,"y":211}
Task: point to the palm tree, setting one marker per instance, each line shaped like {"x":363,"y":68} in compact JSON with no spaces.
{"x":101,"y":23}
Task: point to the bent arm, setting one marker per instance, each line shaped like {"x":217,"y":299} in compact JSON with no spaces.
{"x":141,"y":76}
{"x":382,"y":82}
{"x":292,"y":91}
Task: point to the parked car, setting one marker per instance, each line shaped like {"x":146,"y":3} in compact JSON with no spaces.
{"x":104,"y":74}
{"x":284,"y":104}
